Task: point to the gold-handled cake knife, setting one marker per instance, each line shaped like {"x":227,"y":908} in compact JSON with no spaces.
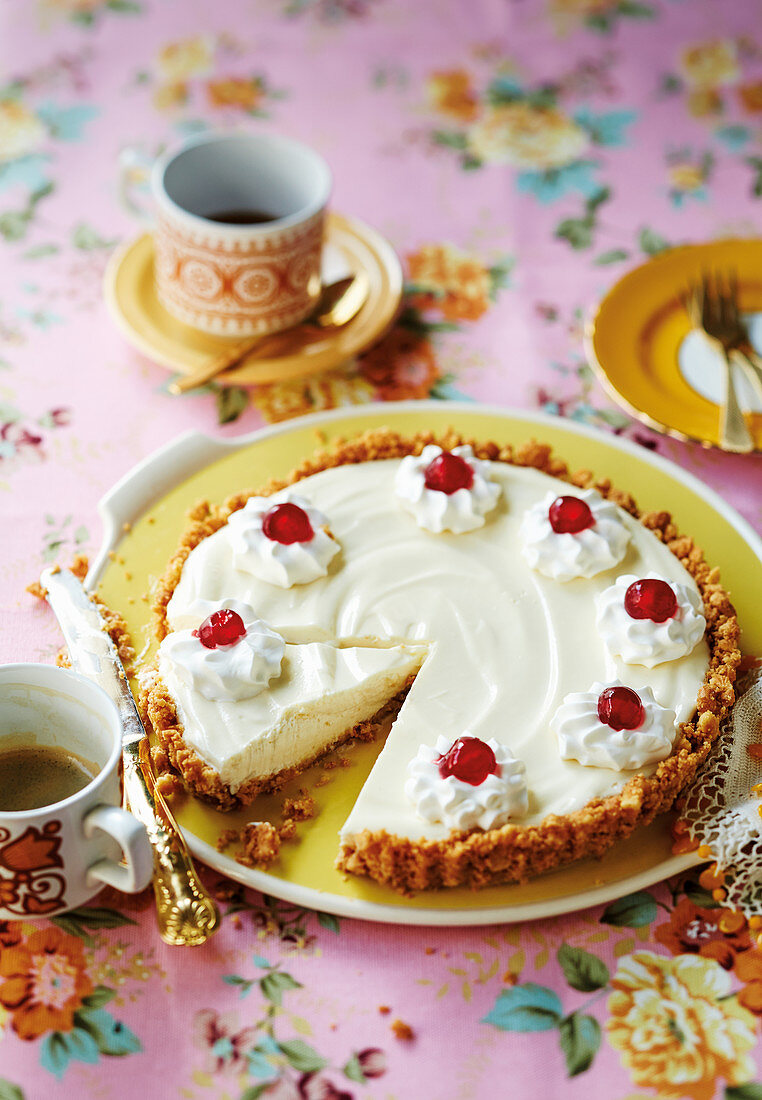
{"x":185,"y":913}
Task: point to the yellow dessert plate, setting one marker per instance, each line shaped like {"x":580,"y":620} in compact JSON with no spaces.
{"x":634,"y":339}
{"x":350,"y":247}
{"x":144,"y":516}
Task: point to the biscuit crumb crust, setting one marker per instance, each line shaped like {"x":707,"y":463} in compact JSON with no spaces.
{"x":513,"y":853}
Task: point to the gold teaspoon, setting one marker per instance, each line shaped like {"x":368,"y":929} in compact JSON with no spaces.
{"x":338,"y":303}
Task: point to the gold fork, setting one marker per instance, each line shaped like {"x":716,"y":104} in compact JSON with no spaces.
{"x":741,"y":350}
{"x":710,"y":308}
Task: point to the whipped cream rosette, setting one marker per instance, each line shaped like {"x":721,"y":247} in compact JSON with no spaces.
{"x":221,"y":671}
{"x":625,"y":624}
{"x":446,"y":490}
{"x":613,"y":726}
{"x":499,"y":795}
{"x":281,"y":539}
{"x":593,"y":540}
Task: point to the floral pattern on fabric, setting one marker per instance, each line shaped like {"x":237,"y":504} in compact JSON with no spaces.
{"x":519,"y":157}
{"x":49,"y":991}
{"x":680,"y":1026}
{"x":207,"y":71}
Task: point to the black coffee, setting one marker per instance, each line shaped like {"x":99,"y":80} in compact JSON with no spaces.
{"x":40,"y":775}
{"x":242,"y":217}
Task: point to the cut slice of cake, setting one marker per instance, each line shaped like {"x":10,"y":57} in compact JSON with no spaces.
{"x":229,"y":749}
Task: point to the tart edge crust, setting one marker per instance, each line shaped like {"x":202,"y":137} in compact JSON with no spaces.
{"x":512,"y":853}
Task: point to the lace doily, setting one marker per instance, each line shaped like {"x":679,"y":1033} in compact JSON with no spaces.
{"x":720,"y":809}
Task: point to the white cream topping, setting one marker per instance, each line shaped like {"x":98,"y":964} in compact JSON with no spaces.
{"x":322,"y":691}
{"x":583,"y":737}
{"x":230,"y":672}
{"x":507,"y":644}
{"x":276,"y":562}
{"x":463,"y":510}
{"x":461,"y":805}
{"x":565,"y":556}
{"x":642,"y":641}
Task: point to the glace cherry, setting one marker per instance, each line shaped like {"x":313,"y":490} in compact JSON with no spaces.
{"x":447,"y":473}
{"x":650,"y":599}
{"x":620,"y":708}
{"x":223,"y":627}
{"x":469,"y":760}
{"x":570,"y":515}
{"x":287,"y":523}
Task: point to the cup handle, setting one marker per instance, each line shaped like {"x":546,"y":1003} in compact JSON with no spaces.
{"x":135,"y":873}
{"x":135,"y":165}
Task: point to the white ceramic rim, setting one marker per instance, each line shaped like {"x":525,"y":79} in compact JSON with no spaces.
{"x":167,"y":467}
{"x":77,"y":687}
{"x":231,"y":231}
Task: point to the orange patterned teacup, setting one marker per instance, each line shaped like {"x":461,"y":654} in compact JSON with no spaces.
{"x":58,"y":849}
{"x":239,"y":232}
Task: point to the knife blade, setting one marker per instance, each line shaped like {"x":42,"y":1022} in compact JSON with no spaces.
{"x":185,"y":912}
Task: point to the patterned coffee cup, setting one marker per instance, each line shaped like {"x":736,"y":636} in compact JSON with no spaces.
{"x":239,"y":232}
{"x":56,"y":857}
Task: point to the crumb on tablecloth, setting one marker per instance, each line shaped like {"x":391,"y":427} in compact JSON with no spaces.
{"x":384,"y":1010}
{"x":401,"y":1030}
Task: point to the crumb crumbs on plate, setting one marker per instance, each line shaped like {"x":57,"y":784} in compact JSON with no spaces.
{"x":299,"y":809}
{"x":261,"y":843}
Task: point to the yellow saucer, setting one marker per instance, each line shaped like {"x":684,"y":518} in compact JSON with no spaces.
{"x":633,"y":340}
{"x":131,"y":298}
{"x":150,"y":505}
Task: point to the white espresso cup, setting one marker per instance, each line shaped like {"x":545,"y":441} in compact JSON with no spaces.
{"x":220,"y":266}
{"x":58,"y":856}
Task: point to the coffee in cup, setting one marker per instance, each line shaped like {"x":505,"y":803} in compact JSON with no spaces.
{"x":33,"y":776}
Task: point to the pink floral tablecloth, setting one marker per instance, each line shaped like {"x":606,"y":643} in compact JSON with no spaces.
{"x":520,"y":155}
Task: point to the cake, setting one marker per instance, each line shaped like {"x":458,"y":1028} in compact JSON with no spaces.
{"x":556,"y":663}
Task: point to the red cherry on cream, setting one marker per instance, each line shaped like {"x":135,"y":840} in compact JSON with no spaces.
{"x":650,"y":599}
{"x":570,"y":515}
{"x":447,"y":473}
{"x":287,"y":523}
{"x":469,"y":760}
{"x":223,"y":627}
{"x":620,"y":708}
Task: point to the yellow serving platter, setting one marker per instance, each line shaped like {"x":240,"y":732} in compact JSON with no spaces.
{"x":153,"y":501}
{"x":634,"y":338}
{"x":353,"y":246}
